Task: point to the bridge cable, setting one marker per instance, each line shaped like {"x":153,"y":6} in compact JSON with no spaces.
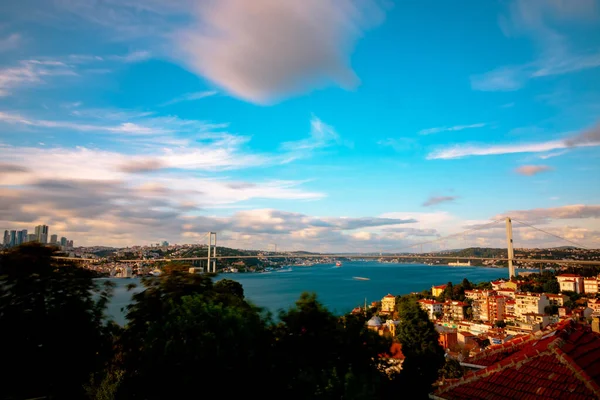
{"x":552,"y":234}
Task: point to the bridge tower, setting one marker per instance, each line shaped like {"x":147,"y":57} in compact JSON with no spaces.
{"x":511,"y":253}
{"x":212,"y":241}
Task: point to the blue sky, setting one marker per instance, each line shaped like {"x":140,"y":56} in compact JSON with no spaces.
{"x":336,"y":125}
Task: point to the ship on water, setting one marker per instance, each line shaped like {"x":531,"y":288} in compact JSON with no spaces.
{"x":338,"y":264}
{"x":460,"y":264}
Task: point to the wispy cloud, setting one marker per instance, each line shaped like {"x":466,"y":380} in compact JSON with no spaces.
{"x":190,"y":97}
{"x":551,"y":155}
{"x":398,"y":144}
{"x":321,"y":136}
{"x":119,"y":122}
{"x":587,"y":138}
{"x":536,"y":19}
{"x":30,"y":73}
{"x":10,"y":42}
{"x":435,"y":200}
{"x":450,"y":128}
{"x":530,"y":170}
{"x":131,"y":57}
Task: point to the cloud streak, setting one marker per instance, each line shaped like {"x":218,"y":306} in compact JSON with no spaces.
{"x":435,"y":200}
{"x":450,"y":128}
{"x":190,"y":97}
{"x":587,"y":138}
{"x":530,"y":170}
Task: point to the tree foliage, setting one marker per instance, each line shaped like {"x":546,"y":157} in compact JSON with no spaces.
{"x":51,"y":325}
{"x":420,"y":346}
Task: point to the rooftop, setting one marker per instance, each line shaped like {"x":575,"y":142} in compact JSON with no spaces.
{"x":560,"y":363}
{"x":569,"y":276}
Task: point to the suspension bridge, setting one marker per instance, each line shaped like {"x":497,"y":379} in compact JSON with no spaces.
{"x":210,"y":260}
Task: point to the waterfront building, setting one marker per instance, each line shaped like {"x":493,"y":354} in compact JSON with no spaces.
{"x":527,"y":303}
{"x":437,"y":291}
{"x":455,"y":310}
{"x":431,"y":307}
{"x":594,"y":304}
{"x":388,"y":304}
{"x":506,"y":292}
{"x":448,"y":338}
{"x":570,"y":283}
{"x":590,"y":285}
{"x":557,"y":299}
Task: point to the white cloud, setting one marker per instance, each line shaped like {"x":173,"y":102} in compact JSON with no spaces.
{"x":486,"y":150}
{"x":435,"y":200}
{"x":10,"y":42}
{"x":267,"y":49}
{"x":530,"y":170}
{"x":450,"y":128}
{"x":321,"y":136}
{"x":587,"y":138}
{"x":30,"y":73}
{"x":190,"y":97}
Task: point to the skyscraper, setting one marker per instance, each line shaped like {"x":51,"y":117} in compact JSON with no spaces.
{"x":54,"y":239}
{"x":41,"y":232}
{"x":24,"y":238}
{"x":6,"y":238}
{"x":63,"y":241}
{"x":31,"y":237}
{"x":13,"y":238}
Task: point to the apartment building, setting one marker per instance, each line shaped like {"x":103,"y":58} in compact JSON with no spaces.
{"x":570,"y":283}
{"x":527,"y":303}
{"x":431,"y":307}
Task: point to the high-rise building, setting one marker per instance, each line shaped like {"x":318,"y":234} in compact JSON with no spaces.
{"x":31,"y":237}
{"x":63,"y":241}
{"x":41,"y":232}
{"x":13,"y":238}
{"x":6,"y":238}
{"x":23,"y":238}
{"x":54,"y":239}
{"x":69,"y":244}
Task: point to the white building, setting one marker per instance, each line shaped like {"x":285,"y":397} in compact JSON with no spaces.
{"x":590,"y":285}
{"x":570,"y":283}
{"x":530,"y":303}
{"x":431,"y":307}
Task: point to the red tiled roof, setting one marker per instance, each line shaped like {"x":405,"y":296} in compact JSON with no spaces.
{"x":569,"y":276}
{"x":389,"y":296}
{"x":429,"y":301}
{"x":562,"y":364}
{"x":440,"y":286}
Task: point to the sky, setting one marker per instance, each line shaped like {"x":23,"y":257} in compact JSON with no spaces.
{"x":324,"y":125}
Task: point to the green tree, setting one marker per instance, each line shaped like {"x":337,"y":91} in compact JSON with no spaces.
{"x":448,"y":291}
{"x":423,"y":354}
{"x":551,"y":286}
{"x":452,"y":369}
{"x":466,"y":284}
{"x":52,"y":327}
{"x":181,"y":330}
{"x":551,"y":310}
{"x":320,"y":356}
{"x":229,"y":287}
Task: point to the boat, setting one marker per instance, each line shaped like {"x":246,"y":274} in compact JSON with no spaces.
{"x":338,"y":264}
{"x":459,"y":264}
{"x":285,"y":270}
{"x":156,"y":272}
{"x":360,"y":278}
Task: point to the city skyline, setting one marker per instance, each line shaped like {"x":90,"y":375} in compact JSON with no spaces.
{"x":16,"y":237}
{"x":332,"y":126}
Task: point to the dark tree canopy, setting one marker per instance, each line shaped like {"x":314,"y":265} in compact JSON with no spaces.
{"x":420,"y":345}
{"x":51,"y":325}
